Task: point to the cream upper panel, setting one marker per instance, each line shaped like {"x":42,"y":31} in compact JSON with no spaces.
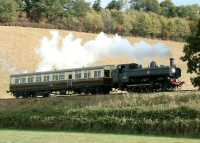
{"x":96,"y":73}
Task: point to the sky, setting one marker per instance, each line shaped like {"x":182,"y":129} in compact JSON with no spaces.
{"x":177,"y":2}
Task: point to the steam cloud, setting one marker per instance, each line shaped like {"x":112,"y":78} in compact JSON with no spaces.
{"x":69,"y":52}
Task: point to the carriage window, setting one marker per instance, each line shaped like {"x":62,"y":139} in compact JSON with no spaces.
{"x":23,"y":80}
{"x":70,"y":76}
{"x":17,"y":81}
{"x":78,"y":76}
{"x":97,"y":74}
{"x":62,"y":76}
{"x":46,"y":78}
{"x":89,"y":74}
{"x":38,"y":78}
{"x":85,"y":75}
{"x":55,"y":77}
{"x":107,"y":73}
{"x":30,"y":79}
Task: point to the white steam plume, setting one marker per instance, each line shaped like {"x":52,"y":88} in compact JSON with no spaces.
{"x":69,"y":52}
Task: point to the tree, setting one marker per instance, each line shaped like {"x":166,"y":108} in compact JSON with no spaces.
{"x":118,"y":20}
{"x":8,"y":10}
{"x":182,"y":28}
{"x":192,"y":56}
{"x":77,"y":8}
{"x":115,"y":4}
{"x":35,"y":9}
{"x":54,"y":10}
{"x":147,"y":25}
{"x":146,"y":5}
{"x":97,"y":5}
{"x":93,"y":22}
{"x":108,"y":21}
{"x":168,"y":8}
{"x":190,"y":12}
{"x":129,"y":22}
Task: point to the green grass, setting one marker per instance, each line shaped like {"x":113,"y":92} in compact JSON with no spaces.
{"x":166,"y":113}
{"x":15,"y":136}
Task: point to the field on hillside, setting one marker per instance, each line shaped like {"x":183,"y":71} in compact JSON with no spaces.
{"x":16,"y":136}
{"x":18,"y":52}
{"x":176,"y":114}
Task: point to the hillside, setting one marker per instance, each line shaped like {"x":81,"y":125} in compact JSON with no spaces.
{"x":18,"y":50}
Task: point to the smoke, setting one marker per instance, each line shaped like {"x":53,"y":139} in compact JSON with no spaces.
{"x":70,"y":52}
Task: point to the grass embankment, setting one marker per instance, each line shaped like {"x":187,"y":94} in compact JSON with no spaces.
{"x":159,"y":114}
{"x":16,"y":136}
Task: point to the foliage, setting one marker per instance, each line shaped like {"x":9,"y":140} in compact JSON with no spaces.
{"x":97,"y":5}
{"x":93,"y":22}
{"x":8,"y":10}
{"x":147,"y":18}
{"x":107,"y":20}
{"x":146,"y":5}
{"x":160,"y":114}
{"x":77,"y":8}
{"x":168,"y":8}
{"x":192,"y":55}
{"x":51,"y":9}
{"x":115,"y":4}
{"x":189,"y":12}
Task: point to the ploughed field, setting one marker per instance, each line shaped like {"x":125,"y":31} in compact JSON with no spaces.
{"x":18,"y":51}
{"x":167,"y":113}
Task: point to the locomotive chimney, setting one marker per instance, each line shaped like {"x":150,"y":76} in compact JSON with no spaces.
{"x":172,"y":62}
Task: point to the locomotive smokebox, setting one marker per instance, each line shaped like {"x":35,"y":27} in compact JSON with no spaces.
{"x":172,"y":62}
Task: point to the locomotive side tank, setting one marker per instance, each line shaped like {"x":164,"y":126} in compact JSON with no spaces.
{"x":134,"y":77}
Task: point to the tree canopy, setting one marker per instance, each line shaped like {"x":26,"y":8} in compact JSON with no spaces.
{"x":8,"y":10}
{"x":115,"y":4}
{"x":147,"y":18}
{"x":192,"y":55}
{"x":97,"y":5}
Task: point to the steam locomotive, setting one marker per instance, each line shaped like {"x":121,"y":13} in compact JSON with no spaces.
{"x":97,"y":80}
